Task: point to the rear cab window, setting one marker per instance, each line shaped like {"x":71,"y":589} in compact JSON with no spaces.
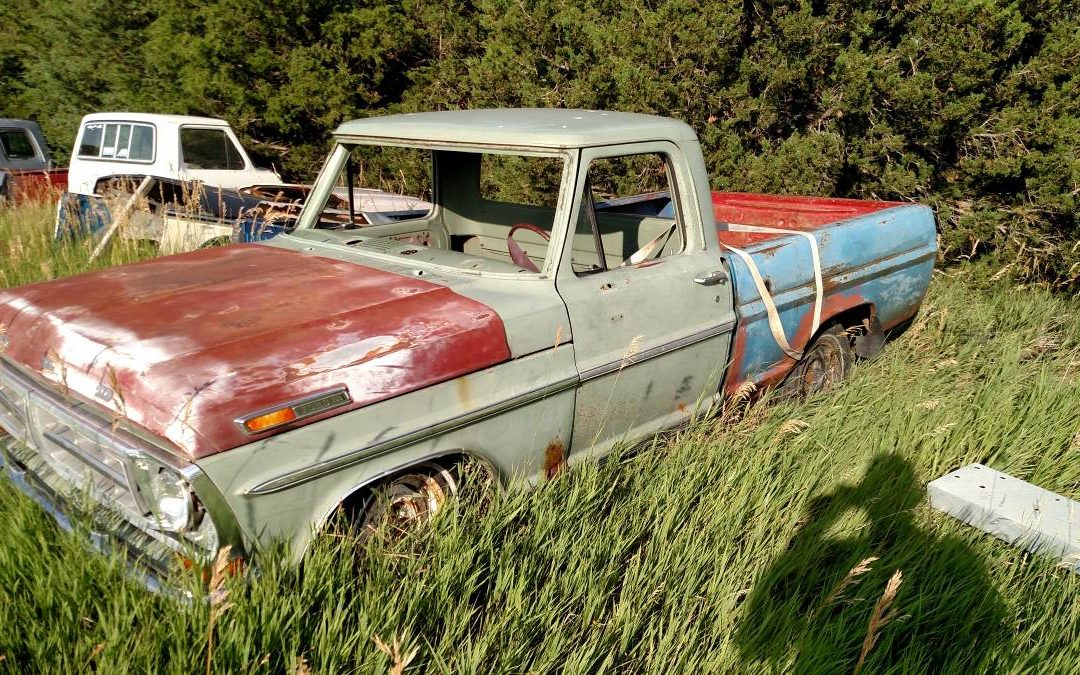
{"x":209,"y":149}
{"x":122,"y":141}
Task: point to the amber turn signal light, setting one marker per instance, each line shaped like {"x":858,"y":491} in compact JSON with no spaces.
{"x":264,"y":420}
{"x":270,"y":420}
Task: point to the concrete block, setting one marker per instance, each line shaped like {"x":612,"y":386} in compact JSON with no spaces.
{"x":1012,"y":510}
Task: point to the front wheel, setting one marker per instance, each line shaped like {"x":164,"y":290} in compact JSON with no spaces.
{"x":824,"y":364}
{"x":407,"y":501}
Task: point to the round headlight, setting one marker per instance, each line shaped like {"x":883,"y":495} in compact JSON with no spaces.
{"x":168,"y":496}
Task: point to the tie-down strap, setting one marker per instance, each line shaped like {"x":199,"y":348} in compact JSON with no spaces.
{"x":766,"y":297}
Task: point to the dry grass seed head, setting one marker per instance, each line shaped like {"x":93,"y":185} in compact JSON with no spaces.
{"x":398,"y":661}
{"x":98,"y":648}
{"x":1047,"y":343}
{"x":735,"y":407}
{"x":632,"y":350}
{"x":838,"y":589}
{"x":118,"y":400}
{"x":302,"y":667}
{"x":218,"y":595}
{"x":744,"y":392}
{"x":880,"y":618}
{"x":219,"y":572}
{"x":944,"y":363}
{"x":789,"y":428}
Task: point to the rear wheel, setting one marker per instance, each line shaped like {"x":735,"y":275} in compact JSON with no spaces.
{"x":824,"y":364}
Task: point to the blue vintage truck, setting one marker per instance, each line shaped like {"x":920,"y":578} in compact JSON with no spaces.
{"x":573,"y":283}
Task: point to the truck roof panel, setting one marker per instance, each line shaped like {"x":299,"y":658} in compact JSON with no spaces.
{"x":154,"y":118}
{"x":528,"y":127}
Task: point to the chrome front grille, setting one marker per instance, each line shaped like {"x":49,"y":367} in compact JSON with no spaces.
{"x":69,"y":457}
{"x":84,"y":454}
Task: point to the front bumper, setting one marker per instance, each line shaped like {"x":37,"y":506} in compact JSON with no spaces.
{"x":79,"y":467}
{"x":154,"y":561}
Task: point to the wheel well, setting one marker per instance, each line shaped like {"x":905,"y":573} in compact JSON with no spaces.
{"x":853,"y":316}
{"x":353,"y":502}
{"x":868,"y":341}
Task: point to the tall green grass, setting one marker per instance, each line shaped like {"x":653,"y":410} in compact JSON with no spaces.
{"x":761,"y":540}
{"x":30,"y":252}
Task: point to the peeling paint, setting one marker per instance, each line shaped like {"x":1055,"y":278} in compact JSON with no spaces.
{"x":296,"y":324}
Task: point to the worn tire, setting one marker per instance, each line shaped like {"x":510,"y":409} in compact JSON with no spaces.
{"x":825,"y":364}
{"x":407,"y":501}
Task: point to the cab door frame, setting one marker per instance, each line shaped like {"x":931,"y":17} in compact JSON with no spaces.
{"x":651,"y":340}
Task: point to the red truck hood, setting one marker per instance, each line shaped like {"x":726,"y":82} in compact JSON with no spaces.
{"x":192,"y":342}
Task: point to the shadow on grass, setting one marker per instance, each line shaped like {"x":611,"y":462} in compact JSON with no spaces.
{"x":807,"y":605}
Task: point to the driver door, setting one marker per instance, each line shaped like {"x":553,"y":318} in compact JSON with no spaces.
{"x":651,"y":320}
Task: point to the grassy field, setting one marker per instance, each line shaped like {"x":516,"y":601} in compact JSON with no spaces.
{"x":763,"y":540}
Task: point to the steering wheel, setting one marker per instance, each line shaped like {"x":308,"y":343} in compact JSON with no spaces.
{"x":516,"y":252}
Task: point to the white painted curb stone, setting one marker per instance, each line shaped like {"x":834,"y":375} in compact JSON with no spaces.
{"x":1012,"y":510}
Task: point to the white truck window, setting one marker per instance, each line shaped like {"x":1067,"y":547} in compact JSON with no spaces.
{"x":117,"y":140}
{"x":142,"y":143}
{"x":209,"y":149}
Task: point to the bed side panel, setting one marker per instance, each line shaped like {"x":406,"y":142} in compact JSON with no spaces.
{"x":884,"y":259}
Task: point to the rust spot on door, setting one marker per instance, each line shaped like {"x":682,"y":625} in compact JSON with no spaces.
{"x":554,"y":458}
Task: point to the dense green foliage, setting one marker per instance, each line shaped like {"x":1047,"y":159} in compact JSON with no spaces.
{"x":720,"y":549}
{"x":970,"y":105}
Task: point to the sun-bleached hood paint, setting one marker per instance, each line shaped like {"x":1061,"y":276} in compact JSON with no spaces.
{"x":185,"y":345}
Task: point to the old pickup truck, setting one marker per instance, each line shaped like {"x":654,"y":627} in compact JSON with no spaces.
{"x":27,"y":173}
{"x":196,"y":185}
{"x":573,"y":284}
{"x":203,"y":186}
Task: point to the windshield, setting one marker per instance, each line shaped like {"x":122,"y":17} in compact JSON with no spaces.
{"x":472,"y":210}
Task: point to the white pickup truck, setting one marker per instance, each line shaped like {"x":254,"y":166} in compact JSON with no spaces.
{"x":177,"y":147}
{"x":195,"y":182}
{"x":203,"y":189}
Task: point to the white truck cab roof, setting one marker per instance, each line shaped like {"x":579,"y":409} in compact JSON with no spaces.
{"x":155,"y":118}
{"x":179,"y":147}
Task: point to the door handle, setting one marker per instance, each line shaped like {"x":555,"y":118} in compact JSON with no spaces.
{"x":717,"y":278}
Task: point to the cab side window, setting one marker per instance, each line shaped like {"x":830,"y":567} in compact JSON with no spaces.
{"x":210,"y":149}
{"x":627,"y":216}
{"x":16,"y":144}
